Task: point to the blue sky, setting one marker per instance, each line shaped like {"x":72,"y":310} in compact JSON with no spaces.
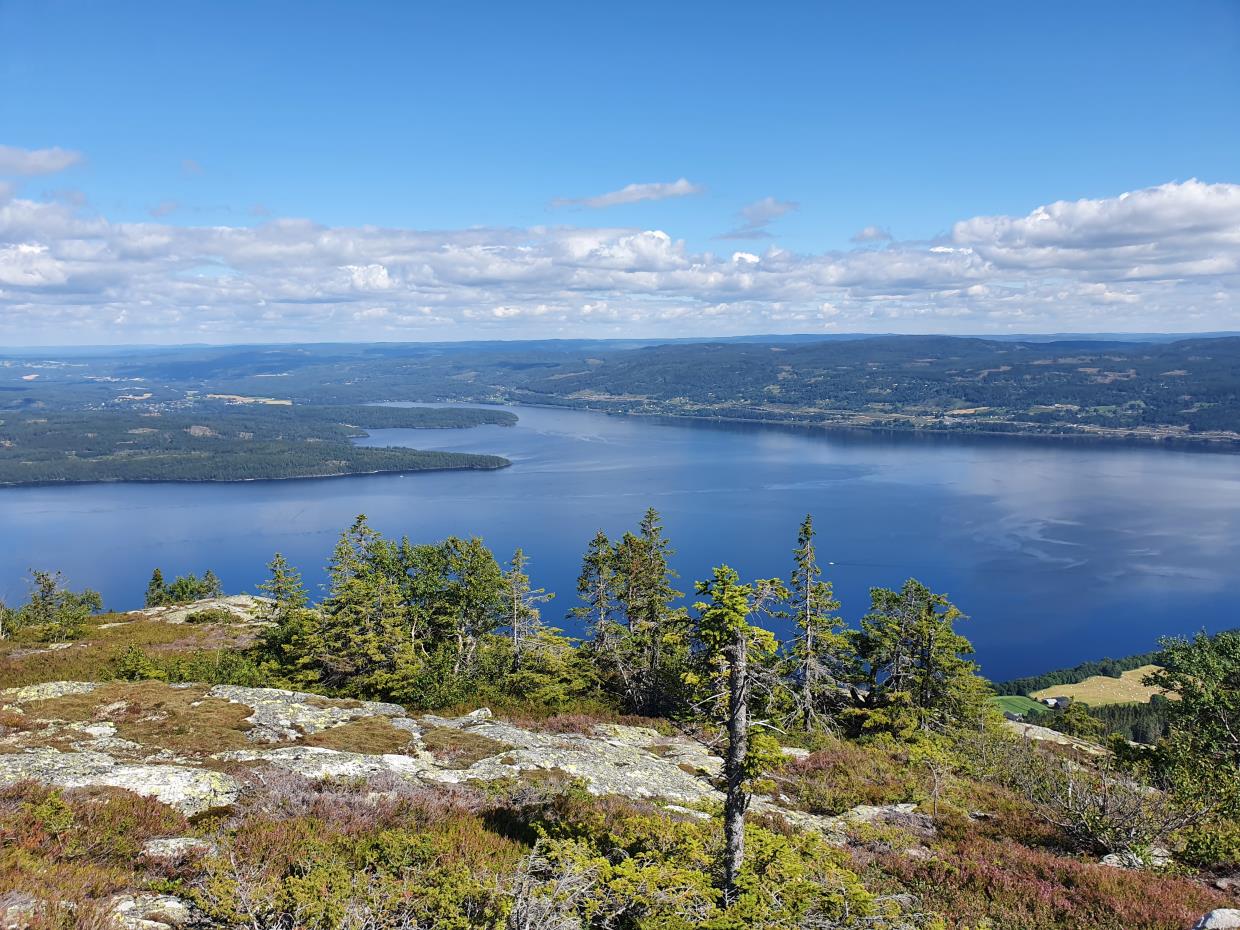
{"x":819,"y":119}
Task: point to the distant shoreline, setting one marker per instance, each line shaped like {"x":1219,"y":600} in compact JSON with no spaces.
{"x":348,"y":474}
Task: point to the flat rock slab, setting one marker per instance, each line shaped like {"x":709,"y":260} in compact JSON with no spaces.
{"x":190,"y":790}
{"x":281,"y":716}
{"x":246,"y":608}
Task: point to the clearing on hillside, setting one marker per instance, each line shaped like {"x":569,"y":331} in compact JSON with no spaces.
{"x":1103,"y":689}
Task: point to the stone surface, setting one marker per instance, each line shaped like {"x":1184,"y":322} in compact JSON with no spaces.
{"x":1047,"y":735}
{"x":16,"y":909}
{"x":630,"y":761}
{"x":1226,"y":918}
{"x":46,"y":691}
{"x":190,"y":790}
{"x":246,"y":608}
{"x":176,"y":848}
{"x":280,"y":716}
{"x":150,"y":911}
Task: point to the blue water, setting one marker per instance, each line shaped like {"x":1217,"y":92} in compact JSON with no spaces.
{"x":1058,"y":553}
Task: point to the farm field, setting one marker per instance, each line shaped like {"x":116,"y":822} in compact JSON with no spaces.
{"x":1103,"y":689}
{"x":1017,"y":704}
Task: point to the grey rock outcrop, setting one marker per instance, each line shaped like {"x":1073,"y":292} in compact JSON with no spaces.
{"x":633,"y":762}
{"x":45,"y":691}
{"x":1226,"y":918}
{"x":245,"y":608}
{"x":280,"y":716}
{"x":190,"y":790}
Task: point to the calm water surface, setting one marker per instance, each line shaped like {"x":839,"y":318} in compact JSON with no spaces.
{"x":1058,"y":553}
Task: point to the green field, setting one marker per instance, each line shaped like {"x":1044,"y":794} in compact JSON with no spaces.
{"x":1017,"y":704}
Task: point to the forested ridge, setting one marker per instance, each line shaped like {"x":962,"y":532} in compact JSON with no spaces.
{"x":1179,"y":392}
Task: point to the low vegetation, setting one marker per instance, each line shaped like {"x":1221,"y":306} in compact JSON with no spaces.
{"x":950,"y":821}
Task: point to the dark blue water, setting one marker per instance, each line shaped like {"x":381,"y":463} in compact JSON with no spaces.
{"x":1058,"y":553}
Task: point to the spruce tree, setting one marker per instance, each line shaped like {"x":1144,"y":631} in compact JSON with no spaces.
{"x":818,"y":654}
{"x":156,"y":590}
{"x":524,"y":617}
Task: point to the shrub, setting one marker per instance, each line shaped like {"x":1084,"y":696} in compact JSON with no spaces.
{"x":836,"y":779}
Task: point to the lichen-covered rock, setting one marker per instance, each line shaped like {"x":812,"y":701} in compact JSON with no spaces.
{"x":317,"y":762}
{"x":150,"y":912}
{"x":1046,"y":735}
{"x":1225,"y":918}
{"x":45,"y":691}
{"x":245,"y":608}
{"x":190,"y":790}
{"x":282,"y":716}
{"x":16,"y":910}
{"x":176,"y":848}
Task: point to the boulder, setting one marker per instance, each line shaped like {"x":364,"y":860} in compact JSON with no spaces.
{"x":1225,"y":918}
{"x":176,"y":848}
{"x":150,"y":912}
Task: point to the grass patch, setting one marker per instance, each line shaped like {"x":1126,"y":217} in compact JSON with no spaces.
{"x":1018,"y":704}
{"x":459,"y":749}
{"x":372,"y":735}
{"x":88,"y":659}
{"x":1098,"y":690}
{"x":156,"y":715}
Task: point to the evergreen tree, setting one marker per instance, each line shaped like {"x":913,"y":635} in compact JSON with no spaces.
{"x":726,"y":645}
{"x":913,"y":665}
{"x":654,"y":650}
{"x":211,"y":586}
{"x":61,"y":614}
{"x":358,"y":636}
{"x":524,"y":617}
{"x":473,"y":602}
{"x":819,"y":652}
{"x":156,"y":590}
{"x":285,"y":588}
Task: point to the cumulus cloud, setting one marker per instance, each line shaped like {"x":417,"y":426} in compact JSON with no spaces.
{"x":27,"y":162}
{"x":633,"y":193}
{"x":757,"y":216}
{"x":1164,"y":258}
{"x":872,"y":234}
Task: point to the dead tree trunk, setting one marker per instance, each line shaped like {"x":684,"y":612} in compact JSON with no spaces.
{"x":737,"y":801}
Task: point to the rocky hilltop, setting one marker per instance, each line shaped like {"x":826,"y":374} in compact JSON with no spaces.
{"x":131,"y":802}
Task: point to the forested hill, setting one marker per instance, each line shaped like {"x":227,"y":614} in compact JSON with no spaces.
{"x":1188,"y":389}
{"x":205,"y":412}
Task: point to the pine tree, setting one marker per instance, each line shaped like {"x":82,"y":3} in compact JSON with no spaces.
{"x":818,"y":654}
{"x":727,"y":645}
{"x":156,"y":590}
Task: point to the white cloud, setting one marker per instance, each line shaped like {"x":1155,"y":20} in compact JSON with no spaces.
{"x":872,"y":234}
{"x":24,"y":162}
{"x":633,"y":193}
{"x":757,"y":216}
{"x":1166,"y":258}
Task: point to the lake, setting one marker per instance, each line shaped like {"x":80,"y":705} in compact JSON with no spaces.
{"x":1057,"y":552}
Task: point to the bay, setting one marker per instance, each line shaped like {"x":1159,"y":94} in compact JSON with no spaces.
{"x":1058,"y":552}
